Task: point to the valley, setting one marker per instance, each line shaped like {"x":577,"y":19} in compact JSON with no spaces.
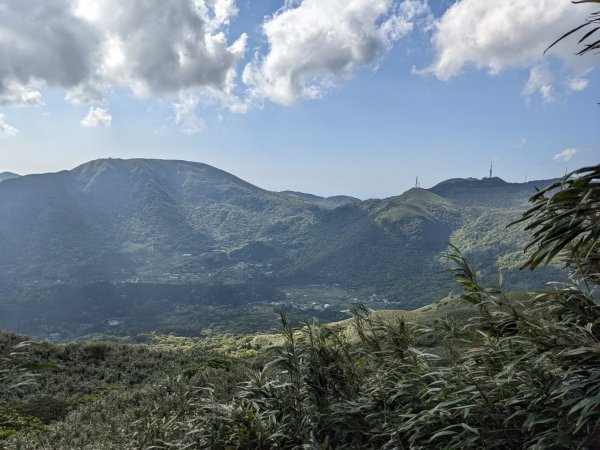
{"x":127,"y":247}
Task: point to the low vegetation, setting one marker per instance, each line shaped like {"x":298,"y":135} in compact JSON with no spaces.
{"x":503,"y":371}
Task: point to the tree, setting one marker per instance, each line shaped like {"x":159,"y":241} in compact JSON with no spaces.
{"x":593,"y":22}
{"x":565,"y":220}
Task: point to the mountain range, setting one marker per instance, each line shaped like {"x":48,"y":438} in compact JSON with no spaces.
{"x":142,"y":222}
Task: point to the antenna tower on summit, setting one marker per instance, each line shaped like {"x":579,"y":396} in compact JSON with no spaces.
{"x":491,"y":167}
{"x":417,"y":183}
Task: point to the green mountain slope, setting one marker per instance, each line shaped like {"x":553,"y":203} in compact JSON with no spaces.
{"x":381,"y":246}
{"x":141,"y":223}
{"x":492,"y":192}
{"x":113,"y":220}
{"x":324,"y":202}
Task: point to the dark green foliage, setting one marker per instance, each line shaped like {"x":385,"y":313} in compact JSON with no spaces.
{"x":45,"y":408}
{"x":96,"y":351}
{"x":126,"y":309}
{"x":567,"y":214}
{"x":14,"y":423}
{"x":15,"y":368}
{"x":94,"y":384}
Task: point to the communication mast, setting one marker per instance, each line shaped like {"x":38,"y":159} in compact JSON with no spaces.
{"x":491,"y":167}
{"x":417,"y":183}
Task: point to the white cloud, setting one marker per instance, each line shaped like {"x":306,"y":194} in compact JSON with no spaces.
{"x":411,"y":9}
{"x":498,"y":34}
{"x":565,"y":155}
{"x":539,"y":82}
{"x":178,"y":45}
{"x":42,"y":42}
{"x":578,"y":84}
{"x":317,"y":44}
{"x":97,"y":117}
{"x":89,"y":46}
{"x":6,"y":130}
{"x":15,"y":94}
{"x":185,"y":114}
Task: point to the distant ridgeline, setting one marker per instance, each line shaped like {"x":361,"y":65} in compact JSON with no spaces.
{"x":8,"y":175}
{"x":105,"y":232}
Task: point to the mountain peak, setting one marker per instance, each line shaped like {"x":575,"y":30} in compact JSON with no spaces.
{"x":324,"y":202}
{"x":471,"y":181}
{"x":486,"y":191}
{"x":8,"y":175}
{"x":177,"y":174}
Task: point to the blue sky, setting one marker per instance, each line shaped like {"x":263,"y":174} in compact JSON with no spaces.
{"x":329,"y":97}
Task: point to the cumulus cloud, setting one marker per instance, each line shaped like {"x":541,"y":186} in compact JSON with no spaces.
{"x":185,"y":114}
{"x":317,"y":44}
{"x":15,"y":94}
{"x":97,"y":117}
{"x":495,"y":35}
{"x":88,"y":46}
{"x":163,"y":49}
{"x":6,"y":130}
{"x":565,"y":155}
{"x":578,"y":84}
{"x":42,"y":42}
{"x":539,"y":82}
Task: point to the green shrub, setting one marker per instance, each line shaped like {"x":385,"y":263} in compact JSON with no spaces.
{"x":13,"y":423}
{"x":97,"y":351}
{"x":45,"y":408}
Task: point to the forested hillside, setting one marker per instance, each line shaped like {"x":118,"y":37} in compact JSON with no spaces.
{"x":76,"y":242}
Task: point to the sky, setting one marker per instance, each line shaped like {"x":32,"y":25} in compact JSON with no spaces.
{"x":355,"y":97}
